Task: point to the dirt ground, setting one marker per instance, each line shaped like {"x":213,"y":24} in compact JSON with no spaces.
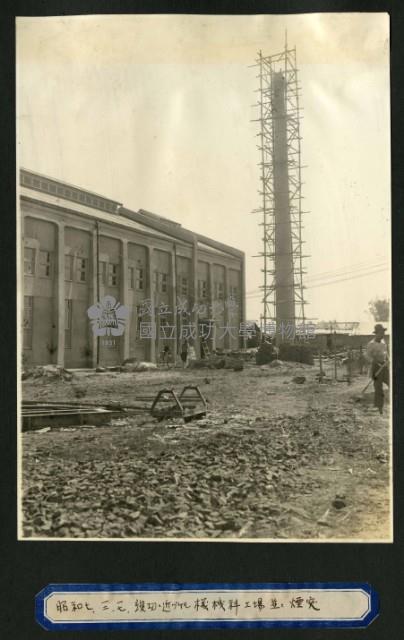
{"x":273,"y":459}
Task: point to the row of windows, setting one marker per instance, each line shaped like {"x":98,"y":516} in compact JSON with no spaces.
{"x":109,"y":274}
{"x":136,"y":278}
{"x":218,"y":290}
{"x":183,"y":285}
{"x":44,"y":263}
{"x":202,"y":289}
{"x":80,"y":271}
{"x":233,"y":292}
{"x":160,"y":281}
{"x":76,"y":269}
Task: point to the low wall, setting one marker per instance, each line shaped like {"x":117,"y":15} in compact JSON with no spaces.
{"x":340,"y":341}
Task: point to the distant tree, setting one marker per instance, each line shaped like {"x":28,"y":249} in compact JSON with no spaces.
{"x":380,"y":309}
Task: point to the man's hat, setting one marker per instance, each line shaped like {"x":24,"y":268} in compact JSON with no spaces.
{"x":379,"y":328}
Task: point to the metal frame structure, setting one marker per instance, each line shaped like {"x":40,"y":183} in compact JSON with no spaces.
{"x":274,"y":71}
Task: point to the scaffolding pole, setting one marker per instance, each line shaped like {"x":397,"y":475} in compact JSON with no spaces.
{"x":281,"y":190}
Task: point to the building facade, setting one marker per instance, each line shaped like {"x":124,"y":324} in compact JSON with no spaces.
{"x":79,"y":247}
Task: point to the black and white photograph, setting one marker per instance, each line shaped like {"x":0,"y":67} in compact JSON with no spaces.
{"x":204,"y":278}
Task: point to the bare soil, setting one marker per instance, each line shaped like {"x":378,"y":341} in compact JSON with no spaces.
{"x":272,"y":460}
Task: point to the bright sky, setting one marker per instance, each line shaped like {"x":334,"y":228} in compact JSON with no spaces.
{"x":155,"y":112}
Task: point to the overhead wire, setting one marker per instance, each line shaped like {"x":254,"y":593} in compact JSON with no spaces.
{"x":327,"y":282}
{"x":328,"y":277}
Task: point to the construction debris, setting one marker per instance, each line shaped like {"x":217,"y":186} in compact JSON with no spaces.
{"x":276,"y":364}
{"x":246,"y":468}
{"x":217,"y":362}
{"x":134,"y":365}
{"x":48,"y":371}
{"x":188,"y":405}
{"x":37,"y":415}
{"x":339,"y":502}
{"x":265,"y":353}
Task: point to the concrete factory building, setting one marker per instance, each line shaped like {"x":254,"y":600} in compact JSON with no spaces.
{"x":79,"y":248}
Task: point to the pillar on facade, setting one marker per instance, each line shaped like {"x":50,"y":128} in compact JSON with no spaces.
{"x":212,"y":306}
{"x":243,"y":311}
{"x":150,"y":296}
{"x":226,"y":313}
{"x":194,"y":294}
{"x":60,"y":296}
{"x":94,"y":294}
{"x":124,"y":293}
{"x":174,"y":302}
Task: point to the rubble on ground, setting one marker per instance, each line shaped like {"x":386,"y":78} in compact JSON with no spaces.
{"x":212,"y":478}
{"x":48,"y":371}
{"x":275,"y":364}
{"x":339,"y":502}
{"x":135,"y":365}
{"x":217,"y":362}
{"x":247,"y":469}
{"x":265,"y":353}
{"x":79,"y":390}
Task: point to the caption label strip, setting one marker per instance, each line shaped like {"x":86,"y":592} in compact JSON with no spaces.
{"x":175,"y":606}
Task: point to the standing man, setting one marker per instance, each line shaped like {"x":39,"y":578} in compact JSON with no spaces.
{"x":376,"y":353}
{"x":191,"y":353}
{"x":184,"y":353}
{"x":166,"y":355}
{"x":204,"y":347}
